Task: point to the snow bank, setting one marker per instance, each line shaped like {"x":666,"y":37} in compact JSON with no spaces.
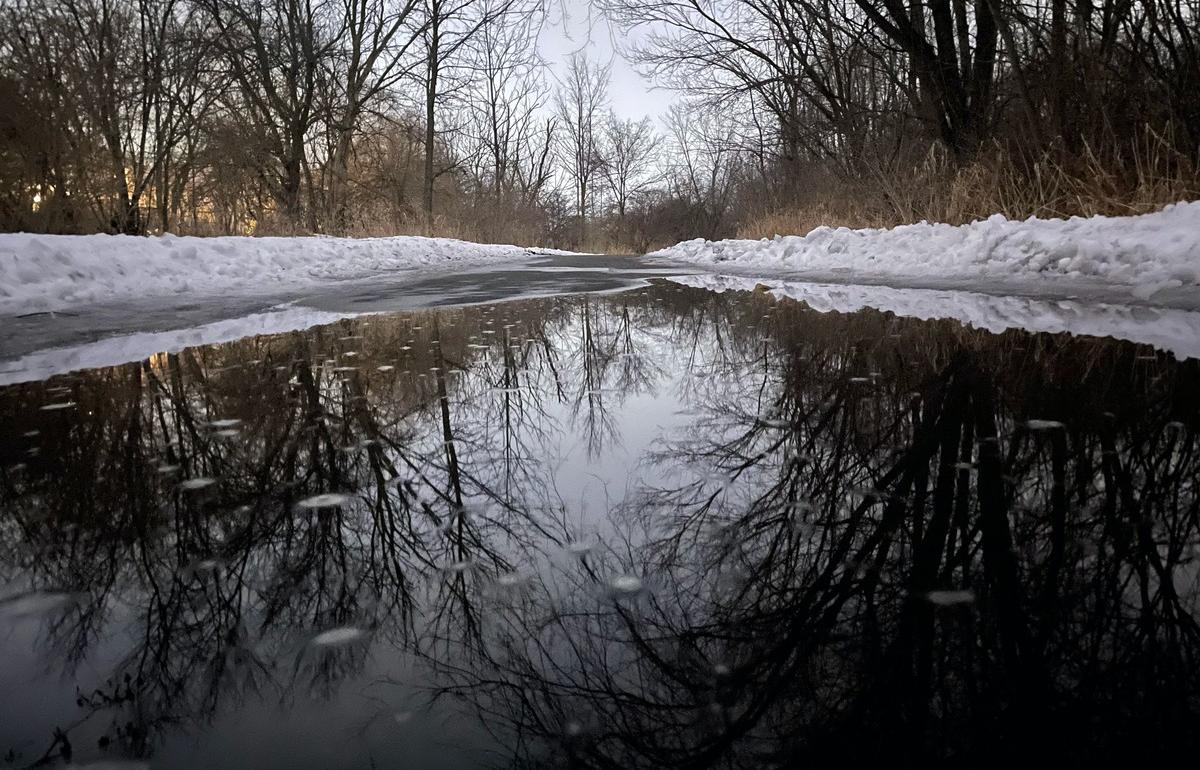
{"x":1144,"y":254}
{"x":1173,"y":330}
{"x":54,"y":272}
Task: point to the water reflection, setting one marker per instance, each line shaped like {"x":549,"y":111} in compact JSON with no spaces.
{"x":664,"y":528}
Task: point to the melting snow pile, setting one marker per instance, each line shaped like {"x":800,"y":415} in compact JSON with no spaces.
{"x":53,"y":272}
{"x":1143,"y":254}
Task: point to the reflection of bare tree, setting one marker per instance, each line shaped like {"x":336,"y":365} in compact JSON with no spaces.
{"x":171,"y":498}
{"x":884,"y":539}
{"x":958,"y":543}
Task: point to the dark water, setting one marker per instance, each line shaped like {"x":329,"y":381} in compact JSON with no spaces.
{"x":663,"y":528}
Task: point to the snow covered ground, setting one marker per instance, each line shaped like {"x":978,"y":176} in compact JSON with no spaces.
{"x":57,"y":272}
{"x":1149,"y":259}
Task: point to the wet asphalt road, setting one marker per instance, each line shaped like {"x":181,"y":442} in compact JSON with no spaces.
{"x":540,"y":275}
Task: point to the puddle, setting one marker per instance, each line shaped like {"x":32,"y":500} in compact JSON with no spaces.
{"x":665,"y":527}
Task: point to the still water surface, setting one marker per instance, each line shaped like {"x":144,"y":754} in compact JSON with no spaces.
{"x":661,"y":528}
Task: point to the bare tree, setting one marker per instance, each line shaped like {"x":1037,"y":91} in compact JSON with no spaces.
{"x":630,"y":153}
{"x":449,"y":27}
{"x":371,"y":59}
{"x":508,"y":88}
{"x":705,"y":165}
{"x":580,"y":102}
{"x":276,"y":52}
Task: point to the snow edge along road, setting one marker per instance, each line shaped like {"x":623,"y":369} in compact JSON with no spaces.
{"x":40,"y":273}
{"x":1143,"y":258}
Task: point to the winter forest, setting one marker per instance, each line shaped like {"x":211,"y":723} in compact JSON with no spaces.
{"x":380,"y":117}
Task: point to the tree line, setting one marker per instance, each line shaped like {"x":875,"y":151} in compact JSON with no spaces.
{"x":362,"y":117}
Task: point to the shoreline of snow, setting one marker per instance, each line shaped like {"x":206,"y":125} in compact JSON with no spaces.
{"x":1168,"y":329}
{"x":1144,"y":257}
{"x":126,"y":348}
{"x":41,"y":273}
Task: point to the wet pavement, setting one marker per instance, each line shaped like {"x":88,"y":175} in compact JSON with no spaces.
{"x":658,"y":527}
{"x":403,"y":290}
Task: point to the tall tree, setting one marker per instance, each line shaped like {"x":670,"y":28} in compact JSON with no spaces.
{"x":580,"y":103}
{"x":449,"y":27}
{"x":276,"y":52}
{"x":630,"y":147}
{"x":371,"y":57}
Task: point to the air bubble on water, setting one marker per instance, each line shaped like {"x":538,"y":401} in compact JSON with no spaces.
{"x":200,"y":482}
{"x":965,"y":466}
{"x":35,"y":603}
{"x":326,"y":500}
{"x":624,"y":586}
{"x":573,"y":729}
{"x":797,"y":457}
{"x":1043,"y":424}
{"x":201,"y":566}
{"x":166,"y":469}
{"x":868,"y":493}
{"x":801,"y":507}
{"x":512,"y":579}
{"x":228,"y":433}
{"x":58,"y":407}
{"x":30,"y":433}
{"x":226,"y":423}
{"x":336,"y":637}
{"x":718,"y":479}
{"x":458,"y":567}
{"x":949,"y":598}
{"x":345,"y":368}
{"x":384,"y":368}
{"x":580,"y":548}
{"x":859,"y":380}
{"x":402,"y":717}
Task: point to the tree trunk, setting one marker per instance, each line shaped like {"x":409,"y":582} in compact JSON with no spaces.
{"x":430,"y":107}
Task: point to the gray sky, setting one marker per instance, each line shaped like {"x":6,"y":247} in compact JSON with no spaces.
{"x":585,"y":28}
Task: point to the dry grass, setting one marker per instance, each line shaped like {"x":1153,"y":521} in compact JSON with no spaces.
{"x":1144,"y":178}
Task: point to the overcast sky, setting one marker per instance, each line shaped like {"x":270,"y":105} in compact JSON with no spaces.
{"x":585,"y":28}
